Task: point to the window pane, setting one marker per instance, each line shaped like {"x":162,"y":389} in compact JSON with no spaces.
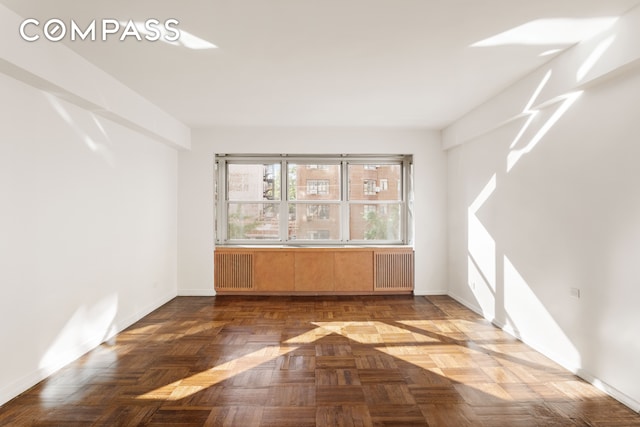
{"x":375,"y":182}
{"x":253,"y":221}
{"x":375,"y":221}
{"x":313,"y":182}
{"x":253,"y":182}
{"x":314,"y":221}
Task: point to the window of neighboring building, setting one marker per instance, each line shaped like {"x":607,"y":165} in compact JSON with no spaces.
{"x":319,"y":187}
{"x":332,"y":199}
{"x":369,"y":187}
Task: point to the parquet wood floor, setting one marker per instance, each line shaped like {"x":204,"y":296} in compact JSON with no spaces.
{"x":314,"y":361}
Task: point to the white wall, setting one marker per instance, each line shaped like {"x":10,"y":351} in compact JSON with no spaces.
{"x":88,"y":226}
{"x":538,"y":209}
{"x":196,"y":212}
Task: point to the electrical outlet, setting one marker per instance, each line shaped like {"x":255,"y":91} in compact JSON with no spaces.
{"x":574,"y":292}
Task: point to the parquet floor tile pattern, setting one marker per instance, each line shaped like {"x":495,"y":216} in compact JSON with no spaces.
{"x":314,"y":361}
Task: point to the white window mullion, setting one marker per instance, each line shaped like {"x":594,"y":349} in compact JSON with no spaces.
{"x":407,"y":202}
{"x":344,"y":202}
{"x":284,"y":201}
{"x":222,"y":206}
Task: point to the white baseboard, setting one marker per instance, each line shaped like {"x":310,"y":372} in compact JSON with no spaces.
{"x":196,"y":292}
{"x":611,"y":391}
{"x":580,"y":372}
{"x":139,"y":314}
{"x":422,"y":293}
{"x":557,"y":358}
{"x":15,"y":388}
{"x":473,"y":307}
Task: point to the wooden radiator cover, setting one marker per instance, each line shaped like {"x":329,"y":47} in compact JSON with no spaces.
{"x":314,"y":270}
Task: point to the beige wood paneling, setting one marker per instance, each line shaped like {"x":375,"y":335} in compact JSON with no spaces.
{"x":353,"y":271}
{"x":274,"y":271}
{"x":314,"y":271}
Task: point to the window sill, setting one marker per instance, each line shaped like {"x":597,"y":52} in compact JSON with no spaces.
{"x":309,"y":246}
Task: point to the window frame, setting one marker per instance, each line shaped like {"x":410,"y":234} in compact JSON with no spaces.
{"x":404,"y":201}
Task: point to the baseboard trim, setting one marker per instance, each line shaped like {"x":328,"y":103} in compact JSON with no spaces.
{"x":473,"y":307}
{"x":15,"y":388}
{"x":611,"y":391}
{"x":130,"y":320}
{"x":536,"y":346}
{"x":579,"y":372}
{"x":196,"y":293}
{"x":422,"y":293}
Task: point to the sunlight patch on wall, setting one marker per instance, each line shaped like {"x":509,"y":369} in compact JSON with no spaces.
{"x":87,"y":328}
{"x":190,"y":41}
{"x":566,"y":101}
{"x":531,"y":114}
{"x":550,"y":31}
{"x":526,"y":309}
{"x":483,"y":196}
{"x":535,"y":95}
{"x":593,"y":58}
{"x":99,"y":148}
{"x":186,"y":39}
{"x":482,"y":287}
{"x":550,"y":52}
{"x":481,"y":252}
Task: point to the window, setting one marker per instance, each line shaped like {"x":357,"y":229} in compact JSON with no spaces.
{"x":342,"y":199}
{"x":374,"y":214}
{"x":369,"y":187}
{"x":251,"y":212}
{"x":317,"y":187}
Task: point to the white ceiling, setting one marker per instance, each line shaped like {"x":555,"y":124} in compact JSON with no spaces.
{"x":409,"y":63}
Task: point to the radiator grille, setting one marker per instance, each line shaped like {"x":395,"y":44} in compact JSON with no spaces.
{"x":393,"y":271}
{"x":233,"y":271}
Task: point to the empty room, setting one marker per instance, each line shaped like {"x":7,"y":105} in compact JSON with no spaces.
{"x":320,"y":213}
